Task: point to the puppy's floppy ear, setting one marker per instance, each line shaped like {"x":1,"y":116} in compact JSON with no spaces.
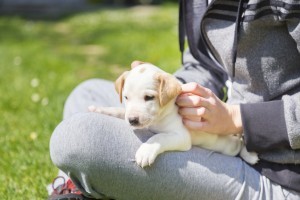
{"x":168,"y":87}
{"x":119,"y":84}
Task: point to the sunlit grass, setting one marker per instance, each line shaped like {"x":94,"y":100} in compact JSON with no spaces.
{"x":42,"y":61}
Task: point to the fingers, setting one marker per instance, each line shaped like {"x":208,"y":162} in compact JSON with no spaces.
{"x":196,"y":89}
{"x":195,"y":118}
{"x":194,"y":95}
{"x":194,"y":113}
{"x":191,"y":101}
{"x":199,"y":107}
{"x":195,"y":125}
{"x":187,"y":100}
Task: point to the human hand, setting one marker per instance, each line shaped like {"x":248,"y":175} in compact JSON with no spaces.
{"x":202,"y":110}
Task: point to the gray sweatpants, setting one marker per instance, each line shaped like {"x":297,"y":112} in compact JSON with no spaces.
{"x":97,"y":152}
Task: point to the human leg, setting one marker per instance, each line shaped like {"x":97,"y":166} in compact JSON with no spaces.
{"x":97,"y":152}
{"x":96,"y":92}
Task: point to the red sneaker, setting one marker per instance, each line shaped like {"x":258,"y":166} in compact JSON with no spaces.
{"x":66,"y":191}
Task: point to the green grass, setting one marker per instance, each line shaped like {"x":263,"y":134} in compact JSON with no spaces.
{"x":42,"y":61}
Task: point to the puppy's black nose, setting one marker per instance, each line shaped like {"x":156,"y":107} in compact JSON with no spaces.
{"x":133,"y":121}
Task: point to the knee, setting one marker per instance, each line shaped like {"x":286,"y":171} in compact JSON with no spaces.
{"x":90,"y":92}
{"x":70,"y":139}
{"x":77,"y":140}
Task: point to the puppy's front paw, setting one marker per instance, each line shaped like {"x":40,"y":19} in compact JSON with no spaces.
{"x":96,"y":109}
{"x":92,"y":108}
{"x":146,"y":154}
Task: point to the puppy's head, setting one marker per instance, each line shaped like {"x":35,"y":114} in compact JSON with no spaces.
{"x":146,"y":90}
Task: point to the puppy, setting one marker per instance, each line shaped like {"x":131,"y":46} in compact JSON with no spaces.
{"x":150,"y":95}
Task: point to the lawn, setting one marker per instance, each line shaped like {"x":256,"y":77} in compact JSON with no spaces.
{"x":41,"y":61}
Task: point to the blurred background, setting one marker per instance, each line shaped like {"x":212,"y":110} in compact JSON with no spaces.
{"x":47,"y":47}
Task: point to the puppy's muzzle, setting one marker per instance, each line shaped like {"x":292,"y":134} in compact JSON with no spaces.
{"x":134,"y":121}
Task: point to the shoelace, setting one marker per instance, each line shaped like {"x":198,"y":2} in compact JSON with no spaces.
{"x":65,"y":188}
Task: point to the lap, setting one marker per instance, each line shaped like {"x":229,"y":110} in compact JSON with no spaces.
{"x":98,"y":151}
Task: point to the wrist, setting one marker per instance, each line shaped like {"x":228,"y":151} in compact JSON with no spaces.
{"x":237,"y":125}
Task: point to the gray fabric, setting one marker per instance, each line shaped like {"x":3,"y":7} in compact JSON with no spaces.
{"x":261,"y":141}
{"x":97,"y":152}
{"x":193,"y":72}
{"x":267,"y":64}
{"x":292,"y":116}
{"x":91,"y":92}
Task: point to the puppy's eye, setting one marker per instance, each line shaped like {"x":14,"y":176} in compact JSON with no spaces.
{"x":148,"y":98}
{"x":126,"y":97}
